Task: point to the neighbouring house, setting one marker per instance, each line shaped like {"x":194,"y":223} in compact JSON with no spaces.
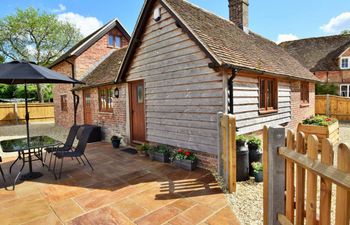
{"x":185,"y":64}
{"x":86,"y":62}
{"x":327,"y":57}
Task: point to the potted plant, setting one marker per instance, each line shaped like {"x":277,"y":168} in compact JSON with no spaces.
{"x":254,"y":146}
{"x":160,"y":153}
{"x":258,"y":171}
{"x":116,"y":141}
{"x":184,"y":159}
{"x":241,"y":143}
{"x":321,"y":126}
{"x":143,"y":149}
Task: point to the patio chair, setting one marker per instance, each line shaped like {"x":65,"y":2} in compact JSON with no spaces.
{"x":68,"y":145}
{"x":2,"y":172}
{"x":77,"y":152}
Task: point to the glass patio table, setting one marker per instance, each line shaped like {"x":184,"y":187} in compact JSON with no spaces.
{"x":33,"y":152}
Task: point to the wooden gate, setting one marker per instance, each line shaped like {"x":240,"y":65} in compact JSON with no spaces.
{"x":227,"y":150}
{"x":292,"y":168}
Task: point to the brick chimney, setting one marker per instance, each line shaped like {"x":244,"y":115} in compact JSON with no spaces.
{"x":239,"y":12}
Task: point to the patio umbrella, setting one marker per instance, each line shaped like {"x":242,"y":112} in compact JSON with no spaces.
{"x":24,"y":72}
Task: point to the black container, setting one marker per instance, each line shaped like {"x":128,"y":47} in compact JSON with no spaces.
{"x":254,"y":156}
{"x":241,"y":146}
{"x":242,"y":165}
{"x":95,"y":136}
{"x":259,"y":176}
{"x":160,"y":157}
{"x":186,"y":164}
{"x":116,"y":143}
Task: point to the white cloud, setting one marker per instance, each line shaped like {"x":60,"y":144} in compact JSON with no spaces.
{"x":87,"y":25}
{"x":286,"y":37}
{"x":337,"y":24}
{"x":61,"y":8}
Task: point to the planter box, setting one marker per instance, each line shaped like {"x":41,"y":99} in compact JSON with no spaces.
{"x":331,"y":131}
{"x":186,"y":164}
{"x":160,"y":157}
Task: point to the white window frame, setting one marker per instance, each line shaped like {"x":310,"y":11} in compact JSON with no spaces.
{"x":348,"y":90}
{"x":341,"y":63}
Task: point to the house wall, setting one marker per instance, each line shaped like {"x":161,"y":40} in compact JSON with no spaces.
{"x":182,"y":94}
{"x":336,"y":77}
{"x":84,"y":63}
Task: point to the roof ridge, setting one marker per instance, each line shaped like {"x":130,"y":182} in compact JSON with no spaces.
{"x":320,"y":37}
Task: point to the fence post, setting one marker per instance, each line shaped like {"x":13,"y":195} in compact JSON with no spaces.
{"x":220,"y":167}
{"x":16,"y":112}
{"x":328,"y":105}
{"x":232,"y":153}
{"x":276,"y":175}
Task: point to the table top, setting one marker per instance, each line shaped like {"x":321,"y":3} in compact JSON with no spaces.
{"x":20,"y":144}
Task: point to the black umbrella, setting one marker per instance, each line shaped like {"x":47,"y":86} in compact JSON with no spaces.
{"x":23,"y":72}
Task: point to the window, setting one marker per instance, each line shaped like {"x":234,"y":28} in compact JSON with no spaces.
{"x":64,"y":107}
{"x":304,"y":93}
{"x":268,"y":95}
{"x":140,"y":93}
{"x":114,"y":41}
{"x":345,"y":63}
{"x":345,"y":90}
{"x":105,"y":99}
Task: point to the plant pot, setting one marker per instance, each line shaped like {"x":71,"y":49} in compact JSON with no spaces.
{"x":241,"y":147}
{"x":259,"y":176}
{"x":160,"y":157}
{"x":116,"y":143}
{"x":186,"y":164}
{"x":254,"y":156}
{"x":242,"y":168}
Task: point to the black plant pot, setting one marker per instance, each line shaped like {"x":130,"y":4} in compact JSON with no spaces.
{"x":259,"y":176}
{"x":254,"y":156}
{"x":116,"y":143}
{"x":160,"y":157}
{"x":186,"y":164}
{"x":241,"y":146}
{"x":242,"y":168}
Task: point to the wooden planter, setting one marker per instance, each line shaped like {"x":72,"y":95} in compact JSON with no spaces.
{"x":186,"y":164}
{"x":160,"y":157}
{"x":331,"y":131}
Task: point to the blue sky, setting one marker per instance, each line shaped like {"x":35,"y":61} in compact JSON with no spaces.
{"x":274,"y":19}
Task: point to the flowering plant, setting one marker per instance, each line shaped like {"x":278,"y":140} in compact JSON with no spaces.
{"x":319,"y":120}
{"x":181,"y":154}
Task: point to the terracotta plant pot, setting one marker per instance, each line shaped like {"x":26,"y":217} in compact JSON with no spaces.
{"x":186,"y":164}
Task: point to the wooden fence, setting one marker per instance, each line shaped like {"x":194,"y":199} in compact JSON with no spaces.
{"x":12,"y":114}
{"x":227,"y":150}
{"x":334,"y":106}
{"x":292,"y":169}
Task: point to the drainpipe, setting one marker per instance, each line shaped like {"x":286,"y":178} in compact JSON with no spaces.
{"x":75,"y":96}
{"x":230,"y":89}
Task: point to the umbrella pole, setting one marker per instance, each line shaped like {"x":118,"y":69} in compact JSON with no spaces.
{"x":27,"y":125}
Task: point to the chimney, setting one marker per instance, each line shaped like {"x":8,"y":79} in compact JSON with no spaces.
{"x":239,"y":12}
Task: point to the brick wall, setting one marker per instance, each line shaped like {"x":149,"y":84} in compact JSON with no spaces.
{"x":299,"y":112}
{"x":336,"y":77}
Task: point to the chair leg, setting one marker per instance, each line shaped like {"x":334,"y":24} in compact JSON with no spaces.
{"x":88,"y":162}
{"x":54,"y":167}
{"x":2,"y":174}
{"x":78,"y":160}
{"x":82,"y":160}
{"x":59,"y":176}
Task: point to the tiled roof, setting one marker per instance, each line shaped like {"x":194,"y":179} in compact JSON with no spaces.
{"x":318,"y":54}
{"x":232,"y":46}
{"x":105,"y":72}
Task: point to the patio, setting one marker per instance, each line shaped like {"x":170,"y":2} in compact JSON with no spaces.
{"x":123,"y":189}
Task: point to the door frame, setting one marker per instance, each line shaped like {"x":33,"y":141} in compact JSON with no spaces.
{"x":132,"y":141}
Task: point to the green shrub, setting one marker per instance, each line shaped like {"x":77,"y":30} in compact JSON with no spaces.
{"x":143,"y":148}
{"x":254,"y":141}
{"x":241,"y":140}
{"x":324,"y":89}
{"x":319,"y":120}
{"x":257,"y":166}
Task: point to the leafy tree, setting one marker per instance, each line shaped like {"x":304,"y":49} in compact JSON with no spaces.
{"x":36,"y":36}
{"x":324,"y":89}
{"x":345,"y":32}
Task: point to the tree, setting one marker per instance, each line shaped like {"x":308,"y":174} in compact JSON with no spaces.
{"x":345,"y":32}
{"x":36,"y":36}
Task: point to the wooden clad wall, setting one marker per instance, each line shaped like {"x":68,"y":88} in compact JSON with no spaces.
{"x":182,"y":94}
{"x":246,"y":105}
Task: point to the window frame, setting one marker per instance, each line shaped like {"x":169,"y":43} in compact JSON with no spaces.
{"x":114,"y":40}
{"x":64,"y":103}
{"x":341,"y":63}
{"x":266,"y":109}
{"x":348,"y":90}
{"x":304,"y":93}
{"x":109,"y":107}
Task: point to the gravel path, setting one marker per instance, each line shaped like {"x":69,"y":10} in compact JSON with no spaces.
{"x":247,"y":202}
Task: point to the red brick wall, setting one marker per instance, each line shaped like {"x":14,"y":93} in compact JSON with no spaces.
{"x":299,"y":112}
{"x":336,"y":77}
{"x":83,"y":64}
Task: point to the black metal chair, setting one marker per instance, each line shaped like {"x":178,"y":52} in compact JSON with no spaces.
{"x":77,"y":152}
{"x":2,"y":172}
{"x":68,"y":145}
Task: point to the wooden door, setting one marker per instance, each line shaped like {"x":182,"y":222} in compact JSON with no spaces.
{"x":137,"y":108}
{"x":87,"y":107}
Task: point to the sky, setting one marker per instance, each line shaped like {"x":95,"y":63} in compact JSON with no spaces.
{"x":277,"y":20}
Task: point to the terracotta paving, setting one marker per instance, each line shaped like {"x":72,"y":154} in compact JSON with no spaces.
{"x":123,"y":189}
